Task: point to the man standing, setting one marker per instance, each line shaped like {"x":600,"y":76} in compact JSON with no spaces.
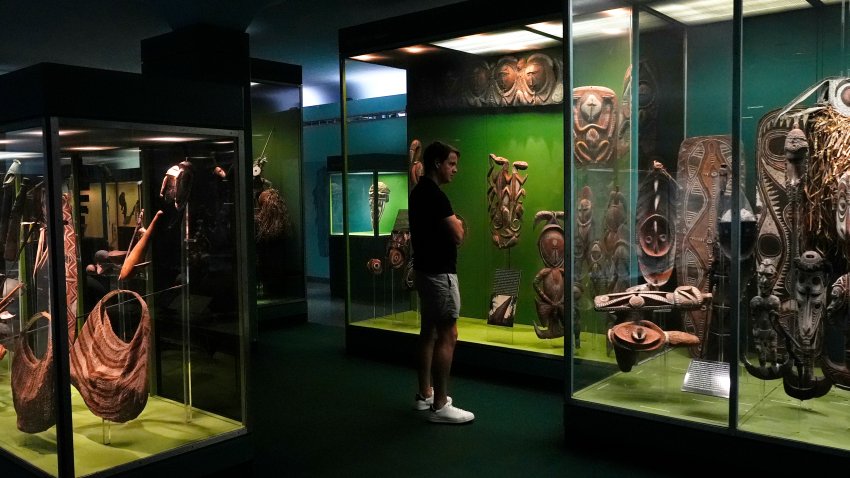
{"x":435,"y":233}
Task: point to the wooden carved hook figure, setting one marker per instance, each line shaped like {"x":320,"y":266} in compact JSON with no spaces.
{"x":137,"y":252}
{"x":505,"y":194}
{"x":549,"y":282}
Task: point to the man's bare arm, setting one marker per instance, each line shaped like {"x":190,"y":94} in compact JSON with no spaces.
{"x":455,"y":227}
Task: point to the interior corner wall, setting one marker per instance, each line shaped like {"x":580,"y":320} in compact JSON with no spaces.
{"x":322,"y":138}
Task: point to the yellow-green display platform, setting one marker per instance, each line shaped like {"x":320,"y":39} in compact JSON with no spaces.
{"x":161,"y":427}
{"x":654,"y":386}
{"x":519,"y":337}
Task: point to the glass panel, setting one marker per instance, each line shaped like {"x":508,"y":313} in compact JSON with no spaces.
{"x":794,"y":330}
{"x":276,"y":122}
{"x":157,"y":360}
{"x":645,"y":229}
{"x":497,"y":97}
{"x":27,"y":368}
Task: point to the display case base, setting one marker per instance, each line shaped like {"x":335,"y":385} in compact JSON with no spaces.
{"x":479,"y":346}
{"x":272,"y":313}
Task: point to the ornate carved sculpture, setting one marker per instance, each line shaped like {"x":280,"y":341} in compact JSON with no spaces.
{"x":764,"y":315}
{"x":506,"y":73}
{"x":505,"y":194}
{"x":803,"y":338}
{"x":542,"y":81}
{"x":656,"y":232}
{"x":416,"y":169}
{"x":583,"y":230}
{"x":519,"y":79}
{"x":549,"y":282}
{"x":33,"y":382}
{"x":594,"y":125}
{"x":379,"y":198}
{"x":615,"y":216}
{"x":632,"y":333}
{"x":775,"y":217}
{"x":796,"y":154}
{"x":477,"y":89}
{"x":111,"y":374}
{"x":700,"y":161}
{"x":620,"y":261}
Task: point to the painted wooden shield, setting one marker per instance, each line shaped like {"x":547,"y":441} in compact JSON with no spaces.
{"x":656,"y":226}
{"x":700,"y":159}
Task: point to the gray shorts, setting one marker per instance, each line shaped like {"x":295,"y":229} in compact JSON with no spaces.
{"x":439,"y":297}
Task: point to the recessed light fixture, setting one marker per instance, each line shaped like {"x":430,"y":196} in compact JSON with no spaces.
{"x":499,"y":42}
{"x":91,"y":148}
{"x":416,"y":49}
{"x":224,"y":142}
{"x":169,"y":139}
{"x":62,"y":132}
{"x":706,"y":11}
{"x":367,"y":57}
{"x":8,"y":141}
{"x":18,"y":155}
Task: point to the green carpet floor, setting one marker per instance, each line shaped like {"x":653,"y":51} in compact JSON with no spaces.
{"x":321,"y":413}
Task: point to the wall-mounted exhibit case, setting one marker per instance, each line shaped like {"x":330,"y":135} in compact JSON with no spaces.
{"x":503,"y":108}
{"x":277,"y":185}
{"x":124,"y":321}
{"x":703,"y":164}
{"x":377,"y":223}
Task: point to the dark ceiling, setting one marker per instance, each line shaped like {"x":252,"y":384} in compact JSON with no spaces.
{"x":107,"y":33}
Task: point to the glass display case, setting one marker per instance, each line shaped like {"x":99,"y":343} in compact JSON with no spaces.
{"x":501,"y":102}
{"x":691,"y":195}
{"x":278,"y":190}
{"x":376,"y":197}
{"x":123,"y":322}
{"x":723,"y":298}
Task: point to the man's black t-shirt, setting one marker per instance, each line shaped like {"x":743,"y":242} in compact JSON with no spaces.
{"x":434,"y":250}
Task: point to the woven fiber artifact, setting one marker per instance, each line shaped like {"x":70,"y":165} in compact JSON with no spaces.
{"x":33,"y":382}
{"x":112,"y":375}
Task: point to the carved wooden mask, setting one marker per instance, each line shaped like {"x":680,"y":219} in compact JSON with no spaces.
{"x":594,"y":124}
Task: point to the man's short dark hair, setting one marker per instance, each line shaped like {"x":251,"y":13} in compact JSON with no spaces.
{"x":437,"y":152}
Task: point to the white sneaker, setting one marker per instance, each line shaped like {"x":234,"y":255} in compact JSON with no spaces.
{"x":450,"y":414}
{"x":421,"y":403}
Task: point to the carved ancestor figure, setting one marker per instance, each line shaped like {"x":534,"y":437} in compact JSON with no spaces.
{"x":583,"y":230}
{"x":764,"y":314}
{"x":615,"y":216}
{"x":796,"y":154}
{"x":656,"y":231}
{"x":505,"y":194}
{"x":803,"y":340}
{"x":549,"y":282}
{"x":594,"y":125}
